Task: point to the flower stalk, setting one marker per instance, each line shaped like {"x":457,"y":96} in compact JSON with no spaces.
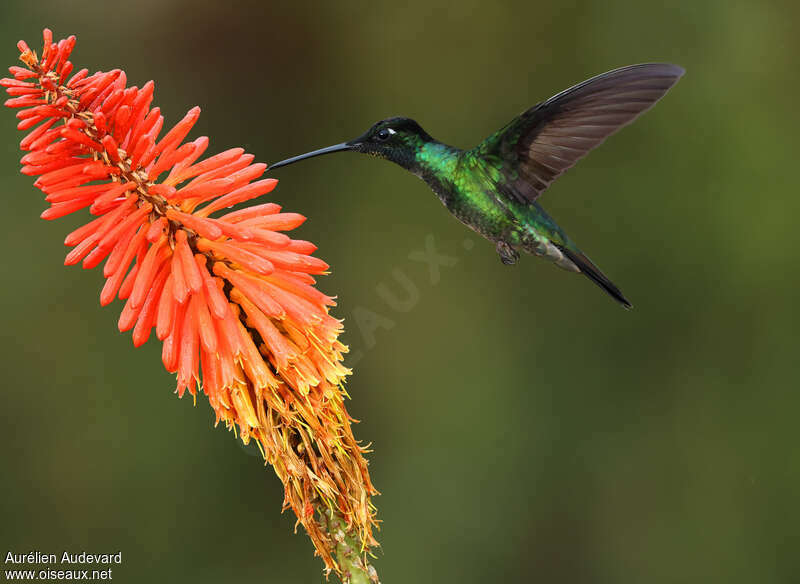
{"x":228,"y":292}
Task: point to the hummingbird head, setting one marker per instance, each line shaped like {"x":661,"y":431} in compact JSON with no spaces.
{"x":395,"y":139}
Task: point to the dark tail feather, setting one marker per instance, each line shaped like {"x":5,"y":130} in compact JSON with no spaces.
{"x":592,"y":272}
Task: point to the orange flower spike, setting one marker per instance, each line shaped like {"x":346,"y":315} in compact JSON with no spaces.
{"x":210,"y":287}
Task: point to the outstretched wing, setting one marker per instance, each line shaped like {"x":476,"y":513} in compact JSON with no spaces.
{"x":549,"y":138}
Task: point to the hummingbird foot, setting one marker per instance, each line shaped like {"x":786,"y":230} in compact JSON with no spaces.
{"x":508,"y":255}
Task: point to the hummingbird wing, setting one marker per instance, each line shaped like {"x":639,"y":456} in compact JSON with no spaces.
{"x":543,"y":142}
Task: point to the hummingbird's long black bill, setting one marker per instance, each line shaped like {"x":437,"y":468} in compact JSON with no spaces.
{"x":313,"y":153}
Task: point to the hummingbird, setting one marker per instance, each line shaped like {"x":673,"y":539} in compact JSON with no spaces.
{"x":494,"y":187}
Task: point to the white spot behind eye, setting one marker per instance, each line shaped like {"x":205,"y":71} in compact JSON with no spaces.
{"x":391,"y":131}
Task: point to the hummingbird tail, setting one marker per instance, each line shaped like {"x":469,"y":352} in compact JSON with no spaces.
{"x":592,"y":272}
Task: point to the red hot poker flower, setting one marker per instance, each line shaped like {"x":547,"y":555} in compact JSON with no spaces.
{"x":232,"y":297}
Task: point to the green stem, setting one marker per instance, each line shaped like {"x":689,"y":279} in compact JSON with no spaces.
{"x":355,"y":567}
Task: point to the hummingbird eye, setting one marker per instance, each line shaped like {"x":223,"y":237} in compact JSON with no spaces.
{"x":383,"y":135}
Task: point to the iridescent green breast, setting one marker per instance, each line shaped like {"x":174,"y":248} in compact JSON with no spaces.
{"x":466,"y":187}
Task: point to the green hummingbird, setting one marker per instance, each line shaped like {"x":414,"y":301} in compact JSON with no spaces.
{"x":493,"y":188}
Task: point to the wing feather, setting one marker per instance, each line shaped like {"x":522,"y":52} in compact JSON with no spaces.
{"x":549,"y":138}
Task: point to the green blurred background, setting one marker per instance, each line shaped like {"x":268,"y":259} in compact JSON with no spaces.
{"x":525,"y":428}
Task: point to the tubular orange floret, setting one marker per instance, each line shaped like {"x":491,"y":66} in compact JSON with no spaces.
{"x":231,"y":297}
